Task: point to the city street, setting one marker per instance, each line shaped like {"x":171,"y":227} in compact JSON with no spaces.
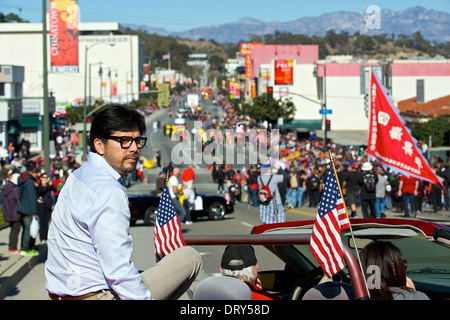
{"x":32,"y":287}
{"x":244,"y":218}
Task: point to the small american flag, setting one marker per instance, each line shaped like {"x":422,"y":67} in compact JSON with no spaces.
{"x":331,"y":218}
{"x":167,"y":236}
{"x":166,"y":56}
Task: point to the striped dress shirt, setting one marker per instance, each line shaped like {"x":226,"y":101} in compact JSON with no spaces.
{"x":89,"y":244}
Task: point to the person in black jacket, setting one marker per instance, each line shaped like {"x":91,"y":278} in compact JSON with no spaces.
{"x":45,"y":203}
{"x":10,"y":201}
{"x":368,"y":191}
{"x":28,"y":206}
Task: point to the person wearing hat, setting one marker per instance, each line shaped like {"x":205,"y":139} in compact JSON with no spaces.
{"x":160,"y":182}
{"x":239,"y":261}
{"x":10,"y":200}
{"x":368,"y":191}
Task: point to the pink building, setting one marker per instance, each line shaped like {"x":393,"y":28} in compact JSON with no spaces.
{"x":341,"y":84}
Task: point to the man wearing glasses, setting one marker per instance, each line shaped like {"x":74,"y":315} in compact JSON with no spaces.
{"x":89,"y":244}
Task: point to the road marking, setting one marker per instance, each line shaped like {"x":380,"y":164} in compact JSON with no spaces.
{"x":247,"y":224}
{"x":302,"y":212}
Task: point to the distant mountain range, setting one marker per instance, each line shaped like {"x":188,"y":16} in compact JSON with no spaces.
{"x":433,"y":24}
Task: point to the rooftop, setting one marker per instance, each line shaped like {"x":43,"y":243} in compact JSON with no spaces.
{"x":440,"y":106}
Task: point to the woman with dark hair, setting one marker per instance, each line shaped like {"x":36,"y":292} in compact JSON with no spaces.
{"x":386,"y":273}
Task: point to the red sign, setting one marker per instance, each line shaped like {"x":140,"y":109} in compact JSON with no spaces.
{"x":284,"y":72}
{"x":390,"y":141}
{"x":64,"y":19}
{"x":246,"y":47}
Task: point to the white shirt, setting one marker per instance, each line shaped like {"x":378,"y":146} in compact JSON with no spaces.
{"x":89,"y":243}
{"x":173,"y":181}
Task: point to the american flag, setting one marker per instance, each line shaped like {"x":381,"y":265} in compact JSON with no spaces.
{"x":331,"y":218}
{"x":166,"y":56}
{"x":167,"y":236}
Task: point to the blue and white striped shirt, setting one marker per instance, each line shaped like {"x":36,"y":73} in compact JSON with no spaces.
{"x":89,"y":244}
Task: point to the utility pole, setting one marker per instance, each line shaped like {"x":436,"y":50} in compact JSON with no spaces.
{"x":45,"y":119}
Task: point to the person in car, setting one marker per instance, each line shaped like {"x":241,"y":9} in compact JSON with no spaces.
{"x":240,"y":262}
{"x":386,"y":273}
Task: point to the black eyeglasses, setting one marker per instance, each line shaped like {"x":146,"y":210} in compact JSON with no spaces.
{"x":126,"y":142}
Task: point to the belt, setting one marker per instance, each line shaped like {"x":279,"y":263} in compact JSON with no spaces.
{"x":87,"y":296}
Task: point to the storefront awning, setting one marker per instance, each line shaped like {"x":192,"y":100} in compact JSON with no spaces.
{"x":31,"y":121}
{"x":303,"y":125}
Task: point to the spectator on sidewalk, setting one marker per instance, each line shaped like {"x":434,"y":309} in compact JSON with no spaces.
{"x":28,"y":206}
{"x":45,"y":203}
{"x":10,"y":201}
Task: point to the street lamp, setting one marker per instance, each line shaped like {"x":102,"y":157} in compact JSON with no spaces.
{"x":85,"y":85}
{"x":100,"y":72}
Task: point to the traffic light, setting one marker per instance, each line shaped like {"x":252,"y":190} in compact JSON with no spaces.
{"x":366,"y":105}
{"x":327,"y":125}
{"x":269,"y":93}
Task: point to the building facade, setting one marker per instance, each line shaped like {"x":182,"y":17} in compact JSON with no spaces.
{"x":110,"y":69}
{"x":336,"y":88}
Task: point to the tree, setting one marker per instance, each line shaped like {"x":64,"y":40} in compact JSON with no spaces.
{"x":11,"y":17}
{"x":261,"y":109}
{"x":435,"y":128}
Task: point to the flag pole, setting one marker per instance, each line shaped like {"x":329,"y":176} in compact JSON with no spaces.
{"x":350,"y":225}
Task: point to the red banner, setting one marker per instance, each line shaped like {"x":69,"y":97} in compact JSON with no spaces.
{"x":390,"y":141}
{"x":64,"y":19}
{"x":284,"y":72}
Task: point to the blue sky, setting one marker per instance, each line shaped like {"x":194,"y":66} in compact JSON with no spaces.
{"x":180,"y":15}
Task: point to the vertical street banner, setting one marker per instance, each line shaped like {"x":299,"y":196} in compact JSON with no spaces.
{"x":64,"y":22}
{"x":390,"y":141}
{"x":284,"y":72}
{"x":245,"y":49}
{"x":163,"y":94}
{"x":114,"y":88}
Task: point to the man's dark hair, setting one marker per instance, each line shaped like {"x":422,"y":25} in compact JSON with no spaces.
{"x":115,"y":118}
{"x":30,"y":166}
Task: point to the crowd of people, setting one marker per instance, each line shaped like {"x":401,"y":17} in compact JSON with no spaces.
{"x":304,"y":163}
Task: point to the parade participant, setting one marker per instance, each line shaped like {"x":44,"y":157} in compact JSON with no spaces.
{"x":89,"y":241}
{"x":407,"y":190}
{"x":273,"y":211}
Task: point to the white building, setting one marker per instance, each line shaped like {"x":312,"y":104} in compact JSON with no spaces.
{"x":121,"y":63}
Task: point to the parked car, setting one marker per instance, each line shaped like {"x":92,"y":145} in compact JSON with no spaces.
{"x":206,"y":205}
{"x":424,"y":245}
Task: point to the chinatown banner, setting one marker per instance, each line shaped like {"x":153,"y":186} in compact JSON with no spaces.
{"x":64,"y":19}
{"x":390,"y":141}
{"x":284,"y":72}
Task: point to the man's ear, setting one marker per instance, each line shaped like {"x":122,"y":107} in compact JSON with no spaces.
{"x":99,"y":146}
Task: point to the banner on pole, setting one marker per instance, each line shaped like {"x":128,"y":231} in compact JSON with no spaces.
{"x":64,"y":20}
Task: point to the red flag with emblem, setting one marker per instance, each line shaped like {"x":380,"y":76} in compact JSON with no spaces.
{"x":390,"y":141}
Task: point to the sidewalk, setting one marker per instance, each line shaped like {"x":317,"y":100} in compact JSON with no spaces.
{"x":14,"y":267}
